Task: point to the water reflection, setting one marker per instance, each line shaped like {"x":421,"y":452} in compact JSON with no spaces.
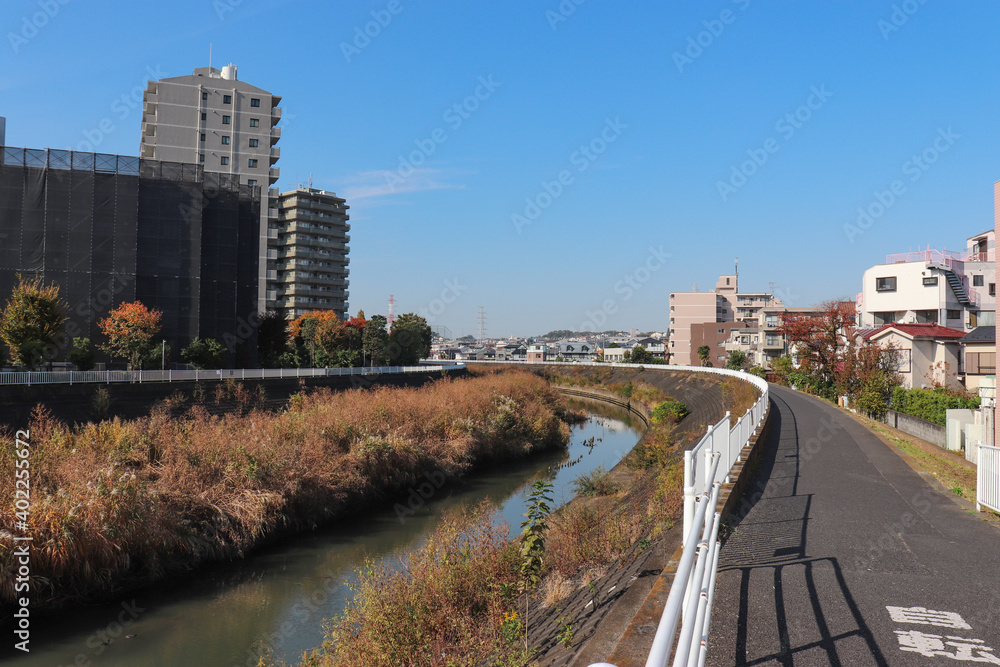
{"x":279,"y":598}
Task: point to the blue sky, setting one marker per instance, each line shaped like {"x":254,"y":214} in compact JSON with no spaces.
{"x":607,"y":127}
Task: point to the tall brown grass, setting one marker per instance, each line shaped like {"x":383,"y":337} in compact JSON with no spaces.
{"x":450,"y":602}
{"x":117,"y":501}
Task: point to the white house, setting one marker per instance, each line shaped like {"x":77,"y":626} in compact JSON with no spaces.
{"x":953,"y":289}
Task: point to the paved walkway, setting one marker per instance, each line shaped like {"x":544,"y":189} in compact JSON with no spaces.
{"x":843,"y":555}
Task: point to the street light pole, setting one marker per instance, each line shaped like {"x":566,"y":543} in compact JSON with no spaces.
{"x":163,"y":355}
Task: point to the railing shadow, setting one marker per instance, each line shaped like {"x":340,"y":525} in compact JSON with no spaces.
{"x":771,"y":544}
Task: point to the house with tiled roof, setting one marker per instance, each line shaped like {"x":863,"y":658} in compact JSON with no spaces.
{"x":928,"y":354}
{"x":979,"y":356}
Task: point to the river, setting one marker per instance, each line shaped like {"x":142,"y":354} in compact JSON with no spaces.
{"x":278,"y":598}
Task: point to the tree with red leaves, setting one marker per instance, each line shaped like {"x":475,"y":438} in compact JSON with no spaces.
{"x":819,"y":341}
{"x":130,"y":329}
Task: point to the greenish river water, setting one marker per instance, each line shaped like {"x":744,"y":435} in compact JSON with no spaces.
{"x":279,"y":597}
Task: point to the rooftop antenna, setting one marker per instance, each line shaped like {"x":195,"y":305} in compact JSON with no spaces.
{"x":210,"y":56}
{"x":310,"y":180}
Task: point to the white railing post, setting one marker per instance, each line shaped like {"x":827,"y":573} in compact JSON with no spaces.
{"x":689,"y":493}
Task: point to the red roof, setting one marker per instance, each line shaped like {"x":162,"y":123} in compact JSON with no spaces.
{"x":918,"y":331}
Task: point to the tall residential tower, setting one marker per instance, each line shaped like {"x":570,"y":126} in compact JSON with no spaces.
{"x":227,"y":126}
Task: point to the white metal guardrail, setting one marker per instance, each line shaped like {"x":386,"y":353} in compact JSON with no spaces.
{"x":988,"y":478}
{"x":714,"y":456}
{"x":107,"y":377}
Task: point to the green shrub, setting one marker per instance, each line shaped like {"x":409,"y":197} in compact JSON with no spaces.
{"x":931,"y":404}
{"x":670,"y":411}
{"x":597,"y":482}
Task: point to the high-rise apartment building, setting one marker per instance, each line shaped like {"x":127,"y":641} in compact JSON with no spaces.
{"x":212,"y":119}
{"x":310,"y":267}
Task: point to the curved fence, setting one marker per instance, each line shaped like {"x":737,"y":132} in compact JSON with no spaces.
{"x":107,"y":377}
{"x":688,"y":611}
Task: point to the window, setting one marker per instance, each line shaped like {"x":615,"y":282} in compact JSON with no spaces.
{"x":885,"y":284}
{"x":977,"y":281}
{"x":227,"y":99}
{"x":993,"y":289}
{"x":201,"y":157}
{"x":722,"y":331}
{"x":203,"y":136}
{"x":224,"y":160}
{"x":980,"y":363}
{"x":884,"y":318}
{"x":927,"y":316}
{"x":254,"y":122}
{"x":225,"y":140}
{"x":252,"y":163}
{"x":203,"y":116}
{"x":954,"y":314}
{"x":226,"y":120}
{"x":252,"y":181}
{"x":254,"y":102}
{"x":254,"y":143}
{"x":930,"y":281}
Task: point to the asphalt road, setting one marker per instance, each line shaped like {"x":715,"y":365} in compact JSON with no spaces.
{"x":843,"y":555}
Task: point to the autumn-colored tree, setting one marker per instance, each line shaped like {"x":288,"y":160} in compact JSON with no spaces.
{"x":130,"y":329}
{"x":819,"y":341}
{"x":32,"y":320}
{"x":867,"y":375}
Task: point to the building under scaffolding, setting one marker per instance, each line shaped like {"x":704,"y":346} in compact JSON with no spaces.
{"x":110,"y":229}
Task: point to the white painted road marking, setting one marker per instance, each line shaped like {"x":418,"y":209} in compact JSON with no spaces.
{"x":924,"y":616}
{"x":966,"y":650}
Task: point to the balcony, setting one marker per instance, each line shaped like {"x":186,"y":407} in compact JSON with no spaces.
{"x":275,"y":135}
{"x":774,"y":343}
{"x":274,"y":173}
{"x":275,"y":154}
{"x":273,"y":193}
{"x":272,"y":213}
{"x":275,"y":115}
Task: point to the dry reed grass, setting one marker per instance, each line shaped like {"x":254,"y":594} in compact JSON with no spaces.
{"x":121,"y":501}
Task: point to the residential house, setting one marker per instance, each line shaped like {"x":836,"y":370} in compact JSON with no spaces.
{"x":537,"y":352}
{"x":929,"y":353}
{"x":573,"y":350}
{"x":615,"y":354}
{"x":979,"y":357}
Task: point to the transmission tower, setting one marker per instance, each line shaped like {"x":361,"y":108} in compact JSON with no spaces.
{"x":392,"y":310}
{"x":482,"y":325}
